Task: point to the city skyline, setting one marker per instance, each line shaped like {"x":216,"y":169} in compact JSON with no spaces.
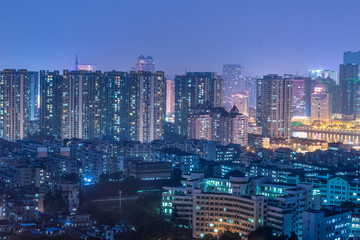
{"x":172,"y":120}
{"x":265,"y":37}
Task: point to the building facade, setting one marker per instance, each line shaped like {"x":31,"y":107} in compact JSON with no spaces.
{"x":320,"y":104}
{"x":146,"y":64}
{"x":274,"y":101}
{"x":330,"y":223}
{"x":241,"y":205}
{"x":352,"y":57}
{"x":50,"y":103}
{"x":241,"y":101}
{"x":81,"y":105}
{"x":33,"y":82}
{"x":216,"y":124}
{"x":301,"y":97}
{"x":349,"y":87}
{"x":233,"y":75}
{"x":193,"y":89}
{"x":14,"y":104}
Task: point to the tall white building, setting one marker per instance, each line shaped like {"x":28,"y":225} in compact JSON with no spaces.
{"x":170,"y":97}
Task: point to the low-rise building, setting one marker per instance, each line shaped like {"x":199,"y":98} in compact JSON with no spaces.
{"x":212,"y":206}
{"x":330,"y":223}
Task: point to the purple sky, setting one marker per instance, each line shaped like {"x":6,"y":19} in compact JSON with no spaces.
{"x":266,"y":36}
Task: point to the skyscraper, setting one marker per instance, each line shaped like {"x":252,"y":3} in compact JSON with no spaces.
{"x":241,"y":101}
{"x":170,"y":100}
{"x":219,"y":125}
{"x":249,"y":84}
{"x":14,"y":104}
{"x":33,"y":81}
{"x":233,"y":81}
{"x":193,"y":89}
{"x":349,"y":87}
{"x":115,"y":106}
{"x":274,"y":97}
{"x":152,"y":105}
{"x":301,"y":96}
{"x":81,"y":105}
{"x":333,"y":90}
{"x":320,"y":104}
{"x":133,"y":105}
{"x":330,"y":74}
{"x":315,"y":73}
{"x":145,"y":64}
{"x":352,"y":57}
{"x":50,"y":103}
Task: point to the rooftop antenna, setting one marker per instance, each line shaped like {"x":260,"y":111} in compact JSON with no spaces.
{"x":76,"y":63}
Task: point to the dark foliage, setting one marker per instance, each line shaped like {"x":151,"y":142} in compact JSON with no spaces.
{"x":264,"y":233}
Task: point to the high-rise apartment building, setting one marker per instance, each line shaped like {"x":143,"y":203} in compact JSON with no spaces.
{"x":314,"y":73}
{"x":216,"y":124}
{"x":333,"y":89}
{"x":349,"y":88}
{"x":33,"y":81}
{"x":320,"y":104}
{"x":233,"y":81}
{"x":145,"y":64}
{"x":170,"y":98}
{"x":81,"y":104}
{"x":193,"y":89}
{"x":241,"y":101}
{"x":14,"y":104}
{"x":301,"y":97}
{"x":152,"y":105}
{"x":115,"y":106}
{"x":249,"y":86}
{"x":352,"y":57}
{"x":273,"y":112}
{"x":331,"y":74}
{"x":50,"y":103}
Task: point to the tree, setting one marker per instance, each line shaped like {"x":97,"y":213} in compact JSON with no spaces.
{"x":209,"y":237}
{"x":55,"y":202}
{"x":228,"y":235}
{"x":348,"y":204}
{"x":264,"y":233}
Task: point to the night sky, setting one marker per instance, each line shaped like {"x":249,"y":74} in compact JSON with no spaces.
{"x":268,"y":36}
